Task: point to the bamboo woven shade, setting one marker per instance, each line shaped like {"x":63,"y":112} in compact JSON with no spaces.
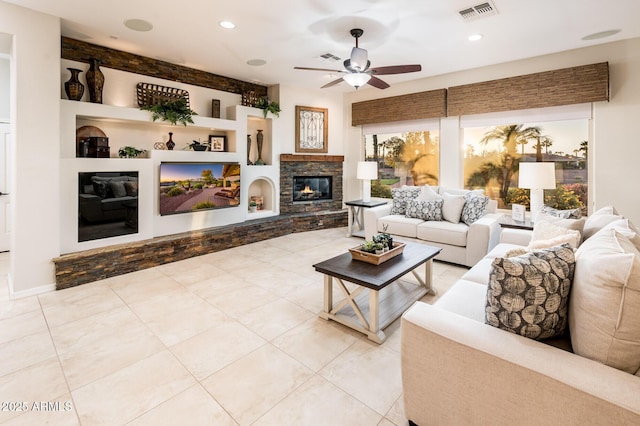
{"x":415,"y":106}
{"x":575,"y":85}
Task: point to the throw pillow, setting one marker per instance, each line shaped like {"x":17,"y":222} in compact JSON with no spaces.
{"x":475,"y":206}
{"x":544,"y":231}
{"x":427,"y":194}
{"x":118,"y":189}
{"x":598,"y":220}
{"x":605,"y":300}
{"x":528,"y":294}
{"x":425,"y":210}
{"x":101,"y":189}
{"x":131,"y":188}
{"x":401,"y":196}
{"x":576,"y":224}
{"x":564,"y":214}
{"x":452,"y":207}
{"x":572,"y":239}
{"x":626,"y":228}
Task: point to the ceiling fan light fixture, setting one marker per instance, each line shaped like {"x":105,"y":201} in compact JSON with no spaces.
{"x":356,"y":79}
{"x":358,"y":59}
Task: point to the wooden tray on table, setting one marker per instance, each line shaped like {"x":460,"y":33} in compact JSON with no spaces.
{"x":376,"y":259}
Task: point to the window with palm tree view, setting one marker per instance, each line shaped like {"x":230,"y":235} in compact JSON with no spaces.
{"x":411,"y":158}
{"x":492,"y":155}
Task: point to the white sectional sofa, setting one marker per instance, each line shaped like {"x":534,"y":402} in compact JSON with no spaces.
{"x":456,"y":369}
{"x":460,"y":243}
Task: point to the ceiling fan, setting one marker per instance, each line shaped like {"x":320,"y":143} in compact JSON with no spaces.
{"x":357,"y":71}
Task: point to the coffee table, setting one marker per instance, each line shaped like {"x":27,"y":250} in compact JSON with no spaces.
{"x":389,"y":295}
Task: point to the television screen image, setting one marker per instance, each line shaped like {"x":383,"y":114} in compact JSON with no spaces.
{"x":190,"y":187}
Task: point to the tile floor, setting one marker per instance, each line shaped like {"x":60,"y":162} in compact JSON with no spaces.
{"x":227,"y":338}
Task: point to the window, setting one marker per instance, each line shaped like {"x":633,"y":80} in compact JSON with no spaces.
{"x":404,"y":157}
{"x":492,"y":155}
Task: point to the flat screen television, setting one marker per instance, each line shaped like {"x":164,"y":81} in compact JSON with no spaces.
{"x":193,"y":186}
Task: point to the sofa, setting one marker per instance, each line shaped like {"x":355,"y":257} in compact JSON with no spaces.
{"x":462,"y":242}
{"x":103,"y":198}
{"x":459,"y":369}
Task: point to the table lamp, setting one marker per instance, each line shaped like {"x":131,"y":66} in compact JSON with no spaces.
{"x":367,"y":170}
{"x":537,"y":177}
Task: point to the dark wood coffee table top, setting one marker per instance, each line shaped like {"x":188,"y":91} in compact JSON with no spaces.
{"x":377,"y":276}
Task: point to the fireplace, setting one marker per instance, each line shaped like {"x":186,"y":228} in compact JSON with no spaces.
{"x":312,"y":188}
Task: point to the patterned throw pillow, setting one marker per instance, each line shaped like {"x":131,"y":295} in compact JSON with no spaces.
{"x":400,"y":198}
{"x":425,"y":210}
{"x":564,"y":214}
{"x":475,"y":207}
{"x":529,"y":294}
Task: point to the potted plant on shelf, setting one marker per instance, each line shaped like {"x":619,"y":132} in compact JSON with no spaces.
{"x":171,"y":111}
{"x":130,"y":152}
{"x":268,"y":107}
{"x":253,"y":206}
{"x":199,"y":146}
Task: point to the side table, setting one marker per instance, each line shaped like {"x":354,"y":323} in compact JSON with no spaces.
{"x":356,"y":215}
{"x":515,"y":231}
{"x":508,"y":222}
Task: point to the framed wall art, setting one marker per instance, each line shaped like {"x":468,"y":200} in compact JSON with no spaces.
{"x":218,"y":142}
{"x":312,"y":126}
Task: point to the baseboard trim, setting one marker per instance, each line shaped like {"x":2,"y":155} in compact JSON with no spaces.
{"x":13,"y":295}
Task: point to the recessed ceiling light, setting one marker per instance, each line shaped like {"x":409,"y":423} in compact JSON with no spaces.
{"x":601,"y":34}
{"x":227,"y":24}
{"x":256,"y":62}
{"x":138,"y":25}
{"x":475,"y":37}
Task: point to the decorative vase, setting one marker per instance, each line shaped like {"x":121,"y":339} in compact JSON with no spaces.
{"x":260,"y":139}
{"x":249,"y":151}
{"x":73,"y":88}
{"x":95,"y":81}
{"x":170,"y":142}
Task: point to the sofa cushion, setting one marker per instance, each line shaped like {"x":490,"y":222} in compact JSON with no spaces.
{"x":528,"y":294}
{"x":425,"y":210}
{"x":465,"y":298}
{"x":626,"y":228}
{"x":564,"y":214}
{"x":118,"y":189}
{"x":479,"y":273}
{"x":401,"y":196}
{"x":399,"y":225}
{"x":454,"y":234}
{"x":547,"y":234}
{"x":501,"y":251}
{"x":475,"y":206}
{"x":605,"y":301}
{"x":452,"y":207}
{"x":131,"y":188}
{"x":575,"y":224}
{"x":598,"y":220}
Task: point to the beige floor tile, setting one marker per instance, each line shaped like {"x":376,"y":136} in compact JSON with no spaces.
{"x":12,"y":308}
{"x":251,"y":386}
{"x":97,"y":346}
{"x":386,"y":422}
{"x":274,"y":318}
{"x":48,"y":412}
{"x":177,"y":315}
{"x":318,"y":402}
{"x":396,"y":413}
{"x":25,"y":351}
{"x":143,"y":290}
{"x":192,"y":407}
{"x":134,"y":277}
{"x":369,"y":372}
{"x":213,"y":287}
{"x":42,"y":381}
{"x":315,"y":342}
{"x":22,"y":325}
{"x":132,"y":391}
{"x":216,"y":348}
{"x":191,"y":271}
{"x":241,"y":300}
{"x":61,"y":307}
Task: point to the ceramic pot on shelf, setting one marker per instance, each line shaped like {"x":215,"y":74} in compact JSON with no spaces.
{"x":170,"y":143}
{"x":95,"y":81}
{"x":73,"y":88}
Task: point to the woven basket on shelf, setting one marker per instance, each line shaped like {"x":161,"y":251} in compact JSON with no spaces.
{"x":151,"y":94}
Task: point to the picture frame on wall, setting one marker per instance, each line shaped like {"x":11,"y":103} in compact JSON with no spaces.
{"x":218,"y":143}
{"x":312,"y":125}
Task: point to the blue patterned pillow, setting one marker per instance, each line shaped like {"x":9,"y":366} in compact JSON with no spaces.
{"x":425,"y":210}
{"x":475,"y":207}
{"x":400,"y":198}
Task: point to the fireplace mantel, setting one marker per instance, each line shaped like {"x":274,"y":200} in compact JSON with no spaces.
{"x":307,"y":157}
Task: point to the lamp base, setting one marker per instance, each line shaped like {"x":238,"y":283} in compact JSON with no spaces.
{"x":537,"y":201}
{"x":366,"y":190}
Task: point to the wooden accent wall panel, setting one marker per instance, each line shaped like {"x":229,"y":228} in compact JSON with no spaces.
{"x":567,"y":86}
{"x":81,"y":51}
{"x":415,"y":106}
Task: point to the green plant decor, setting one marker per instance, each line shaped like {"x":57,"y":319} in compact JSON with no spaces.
{"x":171,"y":111}
{"x":129,"y":152}
{"x":268,"y":107}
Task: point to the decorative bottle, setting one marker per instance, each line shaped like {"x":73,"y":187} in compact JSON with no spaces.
{"x":260,"y":139}
{"x":95,"y":81}
{"x":249,"y":151}
{"x":170,"y":142}
{"x":73,"y":88}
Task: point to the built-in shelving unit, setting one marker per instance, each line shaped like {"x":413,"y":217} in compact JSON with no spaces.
{"x":125,"y":126}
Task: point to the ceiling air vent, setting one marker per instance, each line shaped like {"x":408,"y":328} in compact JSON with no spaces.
{"x":329,"y":57}
{"x":478,"y":11}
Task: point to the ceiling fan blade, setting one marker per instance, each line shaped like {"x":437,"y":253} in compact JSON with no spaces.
{"x":317,"y":69}
{"x":376,"y":82}
{"x":396,"y":69}
{"x":333,"y":83}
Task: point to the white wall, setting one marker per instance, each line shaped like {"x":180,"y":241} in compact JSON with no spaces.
{"x":4,"y":89}
{"x":614,"y":148}
{"x":35,"y":126}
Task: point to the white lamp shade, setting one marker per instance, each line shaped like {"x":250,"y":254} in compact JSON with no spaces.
{"x":367,"y":170}
{"x":356,"y":79}
{"x":537,"y":175}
